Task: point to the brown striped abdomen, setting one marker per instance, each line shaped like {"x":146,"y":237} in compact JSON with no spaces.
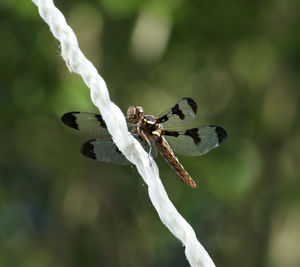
{"x":166,"y":151}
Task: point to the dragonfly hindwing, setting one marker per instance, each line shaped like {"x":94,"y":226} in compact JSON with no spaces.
{"x":103,"y":150}
{"x":195,"y":141}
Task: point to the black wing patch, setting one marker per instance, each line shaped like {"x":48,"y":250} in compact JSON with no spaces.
{"x":193,"y":133}
{"x":87,"y":122}
{"x":70,"y":120}
{"x":195,"y":141}
{"x":221,"y":133}
{"x":88,"y":149}
{"x":182,"y":113}
{"x":177,"y":111}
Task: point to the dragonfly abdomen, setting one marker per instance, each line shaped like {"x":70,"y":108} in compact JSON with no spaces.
{"x":166,"y":151}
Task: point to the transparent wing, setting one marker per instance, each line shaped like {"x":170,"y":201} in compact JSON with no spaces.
{"x":87,"y":122}
{"x":152,"y":150}
{"x":195,"y":141}
{"x":182,"y":113}
{"x":104,"y":149}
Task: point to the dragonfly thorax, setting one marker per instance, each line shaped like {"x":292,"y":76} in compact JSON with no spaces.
{"x":148,"y":124}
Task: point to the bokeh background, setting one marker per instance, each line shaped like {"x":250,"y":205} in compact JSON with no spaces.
{"x":240,"y":61}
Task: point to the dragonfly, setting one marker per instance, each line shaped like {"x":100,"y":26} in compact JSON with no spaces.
{"x":166,"y":134}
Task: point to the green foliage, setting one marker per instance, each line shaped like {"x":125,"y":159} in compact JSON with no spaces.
{"x":239,"y":60}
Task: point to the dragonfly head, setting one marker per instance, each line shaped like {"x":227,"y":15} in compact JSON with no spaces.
{"x":135,"y":113}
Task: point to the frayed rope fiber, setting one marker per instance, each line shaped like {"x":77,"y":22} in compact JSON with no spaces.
{"x":116,"y":124}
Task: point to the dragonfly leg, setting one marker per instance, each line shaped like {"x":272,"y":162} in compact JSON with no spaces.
{"x":145,"y":138}
{"x":133,"y":129}
{"x":149,"y":155}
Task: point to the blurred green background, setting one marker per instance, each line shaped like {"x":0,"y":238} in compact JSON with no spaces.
{"x":239,"y":60}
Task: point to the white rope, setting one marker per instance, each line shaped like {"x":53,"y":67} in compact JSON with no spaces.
{"x":116,"y":124}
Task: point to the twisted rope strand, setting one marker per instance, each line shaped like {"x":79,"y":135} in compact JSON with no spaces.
{"x":116,"y":125}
